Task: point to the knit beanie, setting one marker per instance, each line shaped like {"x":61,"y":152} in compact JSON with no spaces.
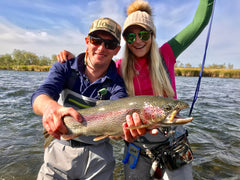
{"x":139,"y":13}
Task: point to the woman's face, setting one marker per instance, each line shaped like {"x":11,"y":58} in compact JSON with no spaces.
{"x":139,"y":47}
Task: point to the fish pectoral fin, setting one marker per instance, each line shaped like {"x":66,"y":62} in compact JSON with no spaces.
{"x":98,"y":138}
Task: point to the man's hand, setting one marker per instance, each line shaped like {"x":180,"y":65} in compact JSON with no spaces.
{"x":64,"y":55}
{"x":52,"y":115}
{"x":53,"y":119}
{"x":131,"y":134}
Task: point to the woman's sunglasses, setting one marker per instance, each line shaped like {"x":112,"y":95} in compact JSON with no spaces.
{"x":143,"y":35}
{"x":109,"y":44}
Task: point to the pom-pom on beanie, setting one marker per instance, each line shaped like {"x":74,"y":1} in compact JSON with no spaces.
{"x":139,"y":13}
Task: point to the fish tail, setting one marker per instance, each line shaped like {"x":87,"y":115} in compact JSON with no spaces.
{"x":48,"y":141}
{"x":48,"y":138}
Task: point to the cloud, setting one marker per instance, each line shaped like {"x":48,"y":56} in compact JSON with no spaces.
{"x":43,"y":43}
{"x":224,"y":39}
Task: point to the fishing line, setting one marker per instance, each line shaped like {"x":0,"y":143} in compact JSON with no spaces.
{"x":204,"y":57}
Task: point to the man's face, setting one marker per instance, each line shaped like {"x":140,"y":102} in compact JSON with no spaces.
{"x":98,"y":55}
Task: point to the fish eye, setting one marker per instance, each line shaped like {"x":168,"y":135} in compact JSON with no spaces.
{"x":168,"y":107}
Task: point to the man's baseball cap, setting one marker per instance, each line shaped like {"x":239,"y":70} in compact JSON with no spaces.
{"x":108,"y":25}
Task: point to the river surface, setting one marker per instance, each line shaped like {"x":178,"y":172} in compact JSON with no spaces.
{"x":214,"y":133}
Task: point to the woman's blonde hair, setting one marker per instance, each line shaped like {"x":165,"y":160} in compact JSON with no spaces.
{"x":161,"y":83}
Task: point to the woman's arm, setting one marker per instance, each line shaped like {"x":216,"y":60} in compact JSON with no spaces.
{"x":183,"y":39}
{"x":64,"y":55}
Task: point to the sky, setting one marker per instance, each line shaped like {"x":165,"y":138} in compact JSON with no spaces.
{"x":46,"y":27}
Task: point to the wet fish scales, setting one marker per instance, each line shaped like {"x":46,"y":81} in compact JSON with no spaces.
{"x":106,"y":118}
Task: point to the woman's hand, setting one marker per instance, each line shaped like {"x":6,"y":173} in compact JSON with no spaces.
{"x":64,"y":55}
{"x":131,"y":134}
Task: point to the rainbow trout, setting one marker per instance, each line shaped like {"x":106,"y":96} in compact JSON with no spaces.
{"x":107,"y":117}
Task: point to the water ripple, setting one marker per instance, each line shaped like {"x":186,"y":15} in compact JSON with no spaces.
{"x":213,"y":134}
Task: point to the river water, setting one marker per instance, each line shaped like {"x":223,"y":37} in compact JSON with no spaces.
{"x":214,"y":133}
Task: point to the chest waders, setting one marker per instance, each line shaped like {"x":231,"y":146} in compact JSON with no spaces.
{"x":69,"y":98}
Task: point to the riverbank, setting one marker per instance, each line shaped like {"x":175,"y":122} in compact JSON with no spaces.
{"x":188,"y":72}
{"x":207,"y":72}
{"x":26,"y":68}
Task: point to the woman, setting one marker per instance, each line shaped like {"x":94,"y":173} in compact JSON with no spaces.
{"x":149,"y":70}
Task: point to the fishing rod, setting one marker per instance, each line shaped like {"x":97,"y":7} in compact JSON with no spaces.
{"x":204,"y":57}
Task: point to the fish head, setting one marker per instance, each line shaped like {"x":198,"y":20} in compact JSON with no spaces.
{"x":164,"y":111}
{"x":173,"y":118}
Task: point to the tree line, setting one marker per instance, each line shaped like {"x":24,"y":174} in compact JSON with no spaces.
{"x":21,"y":57}
{"x":213,"y":66}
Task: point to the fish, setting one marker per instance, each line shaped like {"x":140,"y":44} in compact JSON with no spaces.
{"x":106,"y":118}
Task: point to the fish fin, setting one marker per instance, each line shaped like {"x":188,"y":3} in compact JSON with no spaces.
{"x":98,"y":138}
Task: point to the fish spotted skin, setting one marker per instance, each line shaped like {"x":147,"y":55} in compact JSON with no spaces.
{"x":106,"y":118}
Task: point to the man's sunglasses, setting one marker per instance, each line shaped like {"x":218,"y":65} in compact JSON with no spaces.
{"x":109,"y":44}
{"x":143,"y":35}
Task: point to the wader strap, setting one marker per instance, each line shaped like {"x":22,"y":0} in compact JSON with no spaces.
{"x":72,"y":79}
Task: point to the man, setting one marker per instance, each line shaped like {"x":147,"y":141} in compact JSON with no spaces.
{"x":90,"y":76}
